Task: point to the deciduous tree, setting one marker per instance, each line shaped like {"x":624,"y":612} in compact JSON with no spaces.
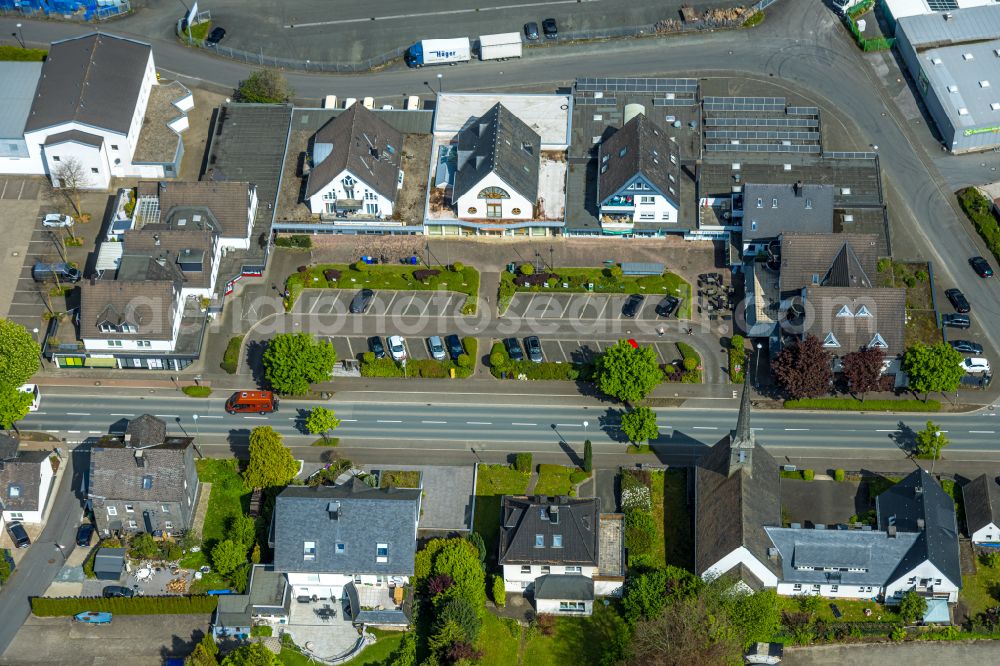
{"x":802,"y":368}
{"x":912,"y":607}
{"x":691,"y":631}
{"x":930,"y":442}
{"x":253,"y":654}
{"x":271,"y":462}
{"x":627,"y":373}
{"x":228,"y":555}
{"x":932,"y":368}
{"x":264,"y":86}
{"x":863,"y":369}
{"x":293,"y":361}
{"x":639,"y":424}
{"x":19,"y":354}
{"x":14,"y":406}
{"x":71,"y":176}
{"x":322,"y":421}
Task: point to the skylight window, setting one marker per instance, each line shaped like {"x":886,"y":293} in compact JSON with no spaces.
{"x":831,"y":340}
{"x":147,"y":482}
{"x":539,"y":541}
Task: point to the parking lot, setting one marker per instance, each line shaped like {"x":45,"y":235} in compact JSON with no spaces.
{"x":579,"y":306}
{"x":584,"y":351}
{"x":393,"y":303}
{"x":353,"y":346}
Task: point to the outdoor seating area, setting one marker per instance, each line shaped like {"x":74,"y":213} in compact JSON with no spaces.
{"x":714,"y":296}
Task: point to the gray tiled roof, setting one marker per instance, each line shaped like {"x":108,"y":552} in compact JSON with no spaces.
{"x":78,"y":136}
{"x":227,"y":201}
{"x":364,"y":517}
{"x":147,"y":304}
{"x":802,"y":208}
{"x":648,"y":153}
{"x":576,"y":521}
{"x":145,"y":430}
{"x":24,"y":471}
{"x":115,"y":471}
{"x":498,"y":142}
{"x":887,"y":307}
{"x":8,"y":446}
{"x":362,"y":143}
{"x":169,"y":247}
{"x":827,"y":257}
{"x":571,"y":587}
{"x":981,"y":497}
{"x":94,"y":80}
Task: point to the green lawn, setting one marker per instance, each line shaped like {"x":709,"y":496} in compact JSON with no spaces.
{"x":577,"y":640}
{"x":400,"y":479}
{"x":853,"y":610}
{"x":553,"y":480}
{"x":499,"y":640}
{"x":980,"y":591}
{"x":670,"y":508}
{"x":492,"y":482}
{"x":9,"y":52}
{"x":378,"y":654}
{"x":224,"y":502}
{"x":199,"y":31}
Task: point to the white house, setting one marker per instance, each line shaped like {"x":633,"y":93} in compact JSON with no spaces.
{"x":356,"y":169}
{"x":982,"y":509}
{"x":25,"y":481}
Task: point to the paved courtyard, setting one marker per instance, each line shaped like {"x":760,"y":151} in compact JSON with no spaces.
{"x":581,"y":306}
{"x":822,"y":502}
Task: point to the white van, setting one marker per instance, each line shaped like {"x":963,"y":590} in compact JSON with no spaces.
{"x":36,"y":395}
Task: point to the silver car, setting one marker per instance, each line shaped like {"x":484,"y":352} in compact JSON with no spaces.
{"x":57,"y":220}
{"x":436,"y":347}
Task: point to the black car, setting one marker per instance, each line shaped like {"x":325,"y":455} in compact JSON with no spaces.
{"x":958,"y":300}
{"x":18,"y":535}
{"x":83,"y":534}
{"x":531,"y":30}
{"x":981,"y":266}
{"x":632,"y":305}
{"x":112,"y":591}
{"x":666,"y":307}
{"x":550,"y":28}
{"x":966,"y":346}
{"x":956,"y":320}
{"x":513,"y":349}
{"x":215,"y":36}
{"x":375,"y":346}
{"x":362,"y":301}
{"x":454,"y":345}
{"x":61,"y":271}
{"x":534,"y":349}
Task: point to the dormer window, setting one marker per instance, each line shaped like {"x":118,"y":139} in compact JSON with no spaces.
{"x":878,"y":342}
{"x":863,"y":312}
{"x":760,"y":202}
{"x":774,"y":202}
{"x":831,"y":340}
{"x":845,"y":312}
{"x":382,"y":553}
{"x":809,"y":204}
{"x":308,"y":550}
{"x":539,"y":541}
{"x":107,"y":327}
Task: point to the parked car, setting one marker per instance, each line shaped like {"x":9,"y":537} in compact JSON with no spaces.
{"x":632,"y":305}
{"x":112,"y":591}
{"x":513,"y":349}
{"x":956,"y":320}
{"x":216,"y":35}
{"x":976,"y":364}
{"x":981,"y":266}
{"x":966,"y":346}
{"x":362,"y":301}
{"x":666,"y":307}
{"x":397,"y":348}
{"x":454,"y":345}
{"x":841,"y":6}
{"x":375,"y":346}
{"x":83,"y":534}
{"x":531,"y":30}
{"x":534,"y":349}
{"x":57,"y":221}
{"x":436,"y":347}
{"x":550,"y":28}
{"x":18,"y":534}
{"x":958,"y":300}
{"x":60,"y":270}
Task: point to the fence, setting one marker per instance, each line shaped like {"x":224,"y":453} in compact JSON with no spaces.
{"x":867,"y":45}
{"x":92,"y":10}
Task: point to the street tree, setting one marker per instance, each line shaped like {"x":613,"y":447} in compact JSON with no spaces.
{"x":588,"y":457}
{"x":293,"y":361}
{"x":19,"y":354}
{"x":639,"y":424}
{"x":264,"y":86}
{"x":930,"y":442}
{"x":14,"y":406}
{"x":271,"y":462}
{"x":627,"y":373}
{"x":802,"y":369}
{"x":321,"y":421}
{"x":71,"y":176}
{"x":863,"y":369}
{"x":933,"y":368}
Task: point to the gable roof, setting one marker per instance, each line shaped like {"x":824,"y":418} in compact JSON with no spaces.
{"x":155,"y":472}
{"x":145,"y":430}
{"x":77,"y":136}
{"x":354,"y":514}
{"x":359,"y":141}
{"x":876,"y":315}
{"x":24,"y":472}
{"x":8,"y":446}
{"x":498,"y":142}
{"x":148,"y":304}
{"x":840,"y":260}
{"x":982,"y":502}
{"x":647,"y":151}
{"x":803,"y":208}
{"x":94,"y":80}
{"x":574,"y":521}
{"x":167,"y":248}
{"x":227,"y":202}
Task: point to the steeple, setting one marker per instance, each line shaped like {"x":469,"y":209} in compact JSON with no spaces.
{"x":741,"y":440}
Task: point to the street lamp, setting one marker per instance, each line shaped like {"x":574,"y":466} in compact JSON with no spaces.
{"x":756,"y":367}
{"x":20,"y":36}
{"x":195,"y":417}
{"x":440,"y":76}
{"x":585,"y":425}
{"x":62,"y":551}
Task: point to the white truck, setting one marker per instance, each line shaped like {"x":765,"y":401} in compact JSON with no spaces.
{"x":500,"y":47}
{"x":438,"y":52}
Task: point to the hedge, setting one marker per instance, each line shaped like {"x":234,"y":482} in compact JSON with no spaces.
{"x":8,"y":52}
{"x":425,"y":368}
{"x":522,"y":462}
{"x":167,"y":605}
{"x":737,"y":357}
{"x":978,"y":209}
{"x":231,"y":357}
{"x":298,"y":241}
{"x":852,"y":404}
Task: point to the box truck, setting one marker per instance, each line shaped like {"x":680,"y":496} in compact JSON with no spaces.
{"x":500,"y":47}
{"x":438,"y":52}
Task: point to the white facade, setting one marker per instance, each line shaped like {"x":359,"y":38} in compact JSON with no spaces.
{"x":44,"y":483}
{"x":331,"y":585}
{"x":742,"y":556}
{"x":555,"y":607}
{"x":95,"y":344}
{"x":517,"y":577}
{"x":924,"y":578}
{"x":470,"y":206}
{"x":987,"y":534}
{"x":243,"y":242}
{"x":829,"y":590}
{"x":348,"y":186}
{"x":642,"y":205}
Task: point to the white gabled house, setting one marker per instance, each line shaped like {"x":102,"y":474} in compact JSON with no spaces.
{"x":982,"y":509}
{"x":25,"y":481}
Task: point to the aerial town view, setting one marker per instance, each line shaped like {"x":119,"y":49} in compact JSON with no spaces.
{"x":546,"y":333}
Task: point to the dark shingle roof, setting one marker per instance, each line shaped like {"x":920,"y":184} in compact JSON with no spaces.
{"x":851,"y":332}
{"x":169,"y":248}
{"x":571,"y":587}
{"x":85,"y":138}
{"x":982,"y":502}
{"x":365,"y":517}
{"x":362,"y":143}
{"x":832,"y":258}
{"x":805,"y":208}
{"x":94,"y":80}
{"x":498,"y":142}
{"x":575,"y":520}
{"x":648,"y":152}
{"x":147,"y":304}
{"x":226,"y":201}
{"x":24,"y":472}
{"x":145,"y":430}
{"x":116,"y":472}
{"x":8,"y":446}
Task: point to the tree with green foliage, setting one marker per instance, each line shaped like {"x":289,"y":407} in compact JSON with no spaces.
{"x":912,"y":607}
{"x":14,"y":406}
{"x":639,"y":425}
{"x":252,"y":654}
{"x":227,"y":555}
{"x":201,"y":657}
{"x":499,"y":591}
{"x":19,"y":354}
{"x":444,"y":636}
{"x":526,"y":269}
{"x":476,"y":540}
{"x":522,"y":462}
{"x":627,"y":373}
{"x":264,"y":86}
{"x":693,"y":630}
{"x":271,"y":462}
{"x":588,"y":456}
{"x":640,"y":532}
{"x":322,"y":421}
{"x":756,"y":616}
{"x":294,"y":361}
{"x":143,"y":547}
{"x":933,"y":368}
{"x":406,"y":653}
{"x":644,"y":596}
{"x":930,"y":441}
{"x":458,"y":558}
{"x":243,"y":530}
{"x":458,"y":610}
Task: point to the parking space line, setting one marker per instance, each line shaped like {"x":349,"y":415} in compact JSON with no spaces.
{"x":600,"y":312}
{"x":530,"y":303}
{"x":408,"y":304}
{"x":548,"y":307}
{"x":569,"y":302}
{"x":562,"y":352}
{"x":350,"y":349}
{"x":316,"y":301}
{"x":392,"y":300}
{"x":426,"y":305}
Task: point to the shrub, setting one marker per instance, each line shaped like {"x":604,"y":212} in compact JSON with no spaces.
{"x":640,"y":532}
{"x":635,"y":497}
{"x":368,"y":357}
{"x":851,"y":404}
{"x":262,"y":630}
{"x":690,"y":364}
{"x":522,"y":462}
{"x":464,"y":361}
{"x":457,"y":267}
{"x":526,"y":269}
{"x":231,"y":357}
{"x":499,"y":592}
{"x":5,"y":569}
{"x":808,"y":474}
{"x":471,"y":346}
{"x":360,"y":266}
{"x":838,"y":475}
{"x":11,"y":52}
{"x":167,"y":605}
{"x":578,"y":476}
{"x":499,"y":359}
{"x":197,"y":391}
{"x":297,"y":241}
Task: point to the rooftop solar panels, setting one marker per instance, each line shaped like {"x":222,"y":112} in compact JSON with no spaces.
{"x":942,"y":5}
{"x":761,"y":148}
{"x":751,"y":134}
{"x":684,"y":101}
{"x":744,"y":103}
{"x":645,"y":85}
{"x":596,"y":101}
{"x":802,"y":111}
{"x":717,"y":121}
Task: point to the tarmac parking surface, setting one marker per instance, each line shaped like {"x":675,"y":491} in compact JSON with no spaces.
{"x":580,"y":306}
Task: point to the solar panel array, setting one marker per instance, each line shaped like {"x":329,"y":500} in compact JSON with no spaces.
{"x":942,"y":5}
{"x":802,"y":111}
{"x":683,"y":101}
{"x":717,"y":121}
{"x":762,"y":148}
{"x":850,"y":155}
{"x":753,"y":134}
{"x":744,"y":103}
{"x":638,"y":85}
{"x":596,"y":101}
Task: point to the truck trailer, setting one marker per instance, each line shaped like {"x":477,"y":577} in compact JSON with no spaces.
{"x":500,"y":47}
{"x":438,"y":52}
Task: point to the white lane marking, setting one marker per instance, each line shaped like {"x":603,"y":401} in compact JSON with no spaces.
{"x":77,"y":413}
{"x":892,"y":430}
{"x":51,"y":431}
{"x":387,"y":421}
{"x":74,"y":432}
{"x":569,"y":425}
{"x":795,"y":429}
{"x":129,"y":415}
{"x":256,"y":418}
{"x":433,"y":421}
{"x":478,"y":423}
{"x":39,"y":413}
{"x":167,"y":416}
{"x":524,"y":424}
{"x":982,"y":432}
{"x":206,"y":416}
{"x":704,"y":428}
{"x":348,"y":420}
{"x":437,"y":13}
{"x":94,"y":432}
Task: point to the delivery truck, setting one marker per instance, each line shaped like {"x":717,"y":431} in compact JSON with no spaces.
{"x":438,"y":52}
{"x":500,"y":47}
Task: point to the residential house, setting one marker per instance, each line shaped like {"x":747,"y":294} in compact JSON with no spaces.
{"x":267,"y":601}
{"x":356,"y":170}
{"x":143,"y":481}
{"x":350,"y":541}
{"x":847,"y":319}
{"x":638,"y":177}
{"x":497,"y":168}
{"x":772,"y":210}
{"x":25,"y":482}
{"x":981,"y":497}
{"x":227,"y":208}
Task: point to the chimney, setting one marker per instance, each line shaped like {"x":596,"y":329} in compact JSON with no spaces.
{"x":920,"y":523}
{"x":128,"y":439}
{"x":918,"y":490}
{"x":333,"y":510}
{"x":798,"y":188}
{"x":140,"y":460}
{"x":891,"y":531}
{"x":156,"y":239}
{"x":772,"y":554}
{"x":554,"y":514}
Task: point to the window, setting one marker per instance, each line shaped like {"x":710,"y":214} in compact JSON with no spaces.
{"x":168,"y":524}
{"x":129,"y":508}
{"x":340,"y":548}
{"x":13,"y":490}
{"x":760,"y":202}
{"x":164,"y":508}
{"x":816,"y":588}
{"x":834,"y":588}
{"x":546,"y":569}
{"x":132,"y":525}
{"x":55,"y":158}
{"x":647,"y":216}
{"x":381,"y":552}
{"x":621,"y":153}
{"x":94,"y":170}
{"x":114,"y":343}
{"x":526,"y":568}
{"x":493,"y":193}
{"x":539,"y":541}
{"x":147,"y":482}
{"x":357,"y":579}
{"x":112,"y":511}
{"x":574,"y":570}
{"x":572,"y":607}
{"x":308,"y":550}
{"x":665,"y":216}
{"x":809,"y":204}
{"x":114,"y":147}
{"x":16,"y":515}
{"x":797,"y":587}
{"x":557,"y":540}
{"x":647,"y":200}
{"x":774,"y":202}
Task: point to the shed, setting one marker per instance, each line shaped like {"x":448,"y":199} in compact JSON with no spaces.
{"x":641,"y":268}
{"x":109,"y":563}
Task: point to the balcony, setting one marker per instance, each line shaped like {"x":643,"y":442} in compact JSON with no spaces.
{"x":619,"y":202}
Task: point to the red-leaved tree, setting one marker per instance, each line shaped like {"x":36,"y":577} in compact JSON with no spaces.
{"x":802,"y":368}
{"x":862,"y":370}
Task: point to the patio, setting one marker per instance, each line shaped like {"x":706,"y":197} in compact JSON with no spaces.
{"x":324,"y":634}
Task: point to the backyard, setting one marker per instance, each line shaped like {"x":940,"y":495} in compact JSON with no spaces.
{"x":492,"y":482}
{"x":224,"y":502}
{"x":921,"y":322}
{"x":852,"y":610}
{"x":980,"y":590}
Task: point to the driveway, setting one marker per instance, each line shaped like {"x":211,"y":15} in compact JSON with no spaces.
{"x":924,"y":653}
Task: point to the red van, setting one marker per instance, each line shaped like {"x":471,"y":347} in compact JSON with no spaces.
{"x":242,"y":402}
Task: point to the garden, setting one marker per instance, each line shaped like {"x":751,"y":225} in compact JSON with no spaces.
{"x":492,"y":482}
{"x":921,"y":322}
{"x":501,"y":366}
{"x":689,"y":370}
{"x":556,"y":480}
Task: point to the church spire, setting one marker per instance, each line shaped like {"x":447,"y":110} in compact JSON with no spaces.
{"x":741,"y":440}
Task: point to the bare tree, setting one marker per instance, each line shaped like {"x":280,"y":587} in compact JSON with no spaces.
{"x":71,"y":176}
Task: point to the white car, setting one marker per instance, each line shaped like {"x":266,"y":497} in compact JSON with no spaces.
{"x":36,"y":396}
{"x":57,"y":220}
{"x":397,"y":349}
{"x":976,"y":365}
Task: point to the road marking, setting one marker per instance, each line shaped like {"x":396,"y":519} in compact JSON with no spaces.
{"x":206,"y":416}
{"x":524,"y":424}
{"x":73,"y":432}
{"x":975,"y":432}
{"x":77,"y":413}
{"x":387,"y":421}
{"x":167,"y":416}
{"x":795,"y":429}
{"x":445,"y":12}
{"x":350,"y":348}
{"x":348,"y":420}
{"x":51,"y":431}
{"x":129,"y":415}
{"x":94,"y":432}
{"x":607,"y":302}
{"x":704,"y":428}
{"x":427,"y":305}
{"x":256,"y":418}
{"x":569,"y":302}
{"x":39,"y":413}
{"x":478,"y":423}
{"x":569,"y":425}
{"x":893,"y":430}
{"x":433,"y":421}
